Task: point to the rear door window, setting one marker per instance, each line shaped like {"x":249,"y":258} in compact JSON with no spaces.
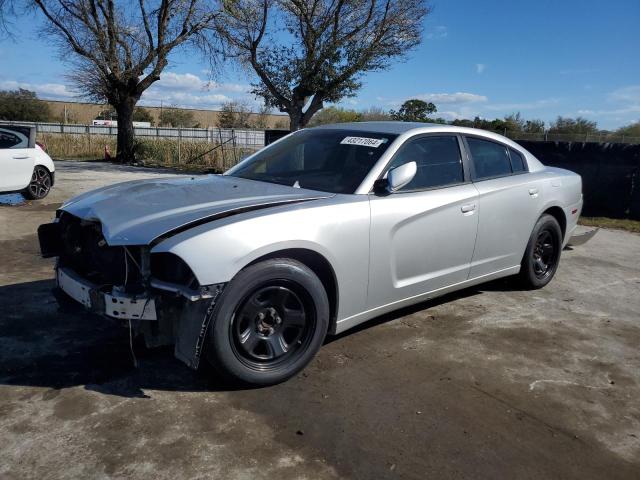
{"x":490,"y":159}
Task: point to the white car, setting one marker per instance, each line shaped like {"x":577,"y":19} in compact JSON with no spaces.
{"x":24,"y":165}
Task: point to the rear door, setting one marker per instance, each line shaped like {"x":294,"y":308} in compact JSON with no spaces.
{"x":509,"y":203}
{"x":422,"y":236}
{"x":16,"y":158}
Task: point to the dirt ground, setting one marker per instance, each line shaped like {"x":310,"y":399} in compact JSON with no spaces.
{"x":492,"y":382}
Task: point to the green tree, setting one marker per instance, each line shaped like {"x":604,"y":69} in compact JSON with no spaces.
{"x":23,"y":105}
{"x":632,"y":130}
{"x":534,"y":126}
{"x":234,"y":115}
{"x":414,"y":110}
{"x":176,"y":117}
{"x":579,"y":125}
{"x":334,"y":115}
{"x":374,"y":114}
{"x":514,"y":122}
{"x":142,"y":115}
{"x":326,"y":47}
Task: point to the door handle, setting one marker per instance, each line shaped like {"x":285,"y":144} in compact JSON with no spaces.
{"x":468,"y":208}
{"x":533,"y":192}
{"x":20,"y":157}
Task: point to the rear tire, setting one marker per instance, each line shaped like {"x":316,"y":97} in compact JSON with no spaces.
{"x":40,"y":184}
{"x":542,"y":256}
{"x":269,"y":323}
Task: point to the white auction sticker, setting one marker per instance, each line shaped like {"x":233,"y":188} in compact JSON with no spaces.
{"x":363,"y":141}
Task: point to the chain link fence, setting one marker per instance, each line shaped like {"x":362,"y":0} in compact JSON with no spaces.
{"x":214,"y":149}
{"x":547,"y":136}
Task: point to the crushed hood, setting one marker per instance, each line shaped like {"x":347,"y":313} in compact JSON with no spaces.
{"x":138,"y":212}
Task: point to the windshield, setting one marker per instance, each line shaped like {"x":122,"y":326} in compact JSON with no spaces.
{"x":334,"y":161}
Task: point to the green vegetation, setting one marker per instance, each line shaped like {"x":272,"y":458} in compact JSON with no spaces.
{"x":632,"y":130}
{"x":23,"y":105}
{"x":335,"y":115}
{"x":176,"y":117}
{"x":142,"y":115}
{"x":160,"y":152}
{"x":234,"y":115}
{"x":414,"y":111}
{"x":616,"y":223}
{"x":579,"y":125}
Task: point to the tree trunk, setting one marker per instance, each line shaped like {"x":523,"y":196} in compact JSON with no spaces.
{"x":295,"y":119}
{"x":126,"y":150}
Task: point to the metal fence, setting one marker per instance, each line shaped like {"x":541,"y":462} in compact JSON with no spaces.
{"x":240,"y":137}
{"x":256,"y":138}
{"x":547,"y":136}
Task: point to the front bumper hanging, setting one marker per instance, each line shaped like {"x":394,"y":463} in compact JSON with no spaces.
{"x":116,"y":304}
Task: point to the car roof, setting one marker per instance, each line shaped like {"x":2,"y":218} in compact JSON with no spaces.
{"x":396,"y":128}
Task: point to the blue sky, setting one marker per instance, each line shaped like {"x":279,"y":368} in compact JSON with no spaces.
{"x":488,"y":58}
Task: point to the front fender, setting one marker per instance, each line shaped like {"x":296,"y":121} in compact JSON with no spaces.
{"x":337,"y":229}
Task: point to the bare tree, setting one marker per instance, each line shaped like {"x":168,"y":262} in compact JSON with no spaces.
{"x":6,"y":11}
{"x":120,"y":48}
{"x":308,"y":52}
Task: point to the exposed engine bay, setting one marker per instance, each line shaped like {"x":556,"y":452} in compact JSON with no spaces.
{"x":157,"y":295}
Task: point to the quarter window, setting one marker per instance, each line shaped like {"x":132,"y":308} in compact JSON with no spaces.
{"x":8,"y":139}
{"x":518,"y":163}
{"x":490,"y":159}
{"x":438,"y":161}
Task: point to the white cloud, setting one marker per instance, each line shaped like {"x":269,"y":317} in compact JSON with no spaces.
{"x":480,"y":68}
{"x":630,"y":94}
{"x":452,"y":98}
{"x":190,"y":82}
{"x":439,"y":31}
{"x":190,"y":90}
{"x":181,"y":89}
{"x":523,"y":105}
{"x":456,"y":98}
{"x":55,"y":91}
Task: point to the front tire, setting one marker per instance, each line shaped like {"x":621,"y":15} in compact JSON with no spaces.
{"x":40,"y":184}
{"x":542,"y":256}
{"x":269,"y":323}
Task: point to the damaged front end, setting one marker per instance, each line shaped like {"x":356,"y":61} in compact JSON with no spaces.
{"x":157,"y":294}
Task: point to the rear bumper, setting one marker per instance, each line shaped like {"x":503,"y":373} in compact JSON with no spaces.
{"x":572,"y":214}
{"x":114,"y":304}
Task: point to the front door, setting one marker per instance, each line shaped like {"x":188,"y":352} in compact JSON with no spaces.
{"x":16,"y":160}
{"x":422,"y":237}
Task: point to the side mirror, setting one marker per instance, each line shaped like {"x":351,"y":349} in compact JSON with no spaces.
{"x":398,"y":177}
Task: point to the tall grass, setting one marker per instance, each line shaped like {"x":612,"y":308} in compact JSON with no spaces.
{"x":183,"y":155}
{"x":75,"y":147}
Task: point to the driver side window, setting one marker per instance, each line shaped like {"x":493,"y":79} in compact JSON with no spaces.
{"x":437,"y":158}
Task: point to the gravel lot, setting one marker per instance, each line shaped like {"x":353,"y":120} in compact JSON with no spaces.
{"x":488,"y":383}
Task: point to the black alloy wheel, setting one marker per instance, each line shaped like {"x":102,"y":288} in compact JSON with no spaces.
{"x":40,"y":184}
{"x":542,"y":256}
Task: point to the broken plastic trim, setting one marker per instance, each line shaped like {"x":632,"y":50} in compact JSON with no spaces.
{"x":582,"y":238}
{"x":191,"y":294}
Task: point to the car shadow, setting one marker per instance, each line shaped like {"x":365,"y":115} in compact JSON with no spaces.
{"x":45,"y":345}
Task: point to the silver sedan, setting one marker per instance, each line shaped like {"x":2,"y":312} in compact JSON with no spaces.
{"x":313,"y":235}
